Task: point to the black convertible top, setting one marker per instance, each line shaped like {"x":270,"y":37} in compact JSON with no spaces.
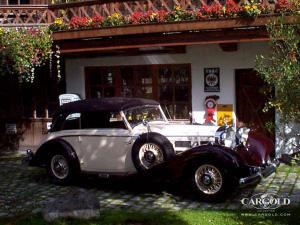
{"x":103,"y":104}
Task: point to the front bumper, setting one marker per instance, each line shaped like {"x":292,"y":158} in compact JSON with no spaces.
{"x":259,"y":175}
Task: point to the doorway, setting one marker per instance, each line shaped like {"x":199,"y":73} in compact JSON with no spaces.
{"x":250,"y":101}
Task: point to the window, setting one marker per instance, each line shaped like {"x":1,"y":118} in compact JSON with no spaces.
{"x":174,"y":90}
{"x":169,"y":84}
{"x":101,"y":82}
{"x":18,"y":2}
{"x":66,"y":122}
{"x":72,"y":122}
{"x":136,"y":81}
{"x":136,"y":116}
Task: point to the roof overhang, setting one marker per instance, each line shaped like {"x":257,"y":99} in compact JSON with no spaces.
{"x":166,"y":35}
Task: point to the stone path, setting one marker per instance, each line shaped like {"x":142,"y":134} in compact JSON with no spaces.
{"x":26,"y":190}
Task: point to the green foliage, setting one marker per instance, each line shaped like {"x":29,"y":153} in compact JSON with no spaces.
{"x":281,"y":69}
{"x":22,"y":50}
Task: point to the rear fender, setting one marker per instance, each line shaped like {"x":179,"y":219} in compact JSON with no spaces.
{"x":56,"y":145}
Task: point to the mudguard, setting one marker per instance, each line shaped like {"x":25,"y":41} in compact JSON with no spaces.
{"x":43,"y":152}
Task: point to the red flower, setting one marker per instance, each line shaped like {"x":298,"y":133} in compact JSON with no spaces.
{"x":161,"y":15}
{"x":214,"y":10}
{"x":136,"y":17}
{"x":148,"y":16}
{"x":79,"y":22}
{"x":232,"y":8}
{"x":199,"y":15}
{"x":97,"y":20}
{"x":283,"y":5}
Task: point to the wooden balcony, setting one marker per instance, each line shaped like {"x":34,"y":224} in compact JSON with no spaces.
{"x":87,"y":39}
{"x":44,"y":12}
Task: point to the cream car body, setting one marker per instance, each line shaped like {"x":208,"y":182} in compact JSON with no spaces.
{"x":109,"y":149}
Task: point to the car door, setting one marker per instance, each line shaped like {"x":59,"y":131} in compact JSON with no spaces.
{"x":105,"y":143}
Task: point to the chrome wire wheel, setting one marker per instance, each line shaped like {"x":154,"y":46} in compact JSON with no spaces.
{"x":150,"y":154}
{"x":59,"y":166}
{"x":208,"y":179}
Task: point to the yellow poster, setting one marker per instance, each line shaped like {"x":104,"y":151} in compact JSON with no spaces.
{"x":224,"y":114}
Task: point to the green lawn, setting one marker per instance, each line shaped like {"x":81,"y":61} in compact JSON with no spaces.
{"x":186,"y":217}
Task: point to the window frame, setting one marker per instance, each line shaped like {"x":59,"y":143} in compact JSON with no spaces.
{"x":154,"y":68}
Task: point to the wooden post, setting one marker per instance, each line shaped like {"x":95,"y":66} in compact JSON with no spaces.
{"x":46,"y":113}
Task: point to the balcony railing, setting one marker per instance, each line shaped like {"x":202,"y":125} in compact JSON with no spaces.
{"x":18,"y":16}
{"x":36,"y":15}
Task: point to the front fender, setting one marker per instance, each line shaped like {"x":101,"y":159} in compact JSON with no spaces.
{"x":220,"y":155}
{"x":217,"y":153}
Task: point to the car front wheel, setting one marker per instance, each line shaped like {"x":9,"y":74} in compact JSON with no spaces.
{"x":210,"y":181}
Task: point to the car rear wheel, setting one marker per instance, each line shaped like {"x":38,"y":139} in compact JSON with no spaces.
{"x":60,"y":168}
{"x":151,"y":149}
{"x":210,"y":181}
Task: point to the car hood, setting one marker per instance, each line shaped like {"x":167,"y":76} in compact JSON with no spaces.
{"x":185,"y":130}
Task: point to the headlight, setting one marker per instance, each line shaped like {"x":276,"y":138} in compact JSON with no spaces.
{"x":225,"y":136}
{"x":242,"y":134}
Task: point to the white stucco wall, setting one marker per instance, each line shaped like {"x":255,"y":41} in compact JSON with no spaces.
{"x":199,"y":56}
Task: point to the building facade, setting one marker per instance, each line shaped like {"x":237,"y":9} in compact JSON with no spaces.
{"x":141,"y":49}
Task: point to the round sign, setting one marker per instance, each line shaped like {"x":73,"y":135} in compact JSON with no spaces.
{"x":210,"y":103}
{"x":211,"y":79}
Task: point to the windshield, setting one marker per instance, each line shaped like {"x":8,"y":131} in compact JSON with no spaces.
{"x":136,"y":116}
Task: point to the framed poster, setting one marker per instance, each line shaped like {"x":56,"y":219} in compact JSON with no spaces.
{"x":224,"y":114}
{"x":212,"y":79}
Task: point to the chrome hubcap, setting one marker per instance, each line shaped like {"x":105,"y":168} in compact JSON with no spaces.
{"x":150,"y":154}
{"x":59,"y":166}
{"x":208,"y":179}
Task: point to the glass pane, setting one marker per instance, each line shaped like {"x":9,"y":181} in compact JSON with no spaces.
{"x":72,"y":122}
{"x":127,"y":92}
{"x":181,"y":75}
{"x":182,"y":93}
{"x":144,"y":75}
{"x":95,"y":79}
{"x":147,"y":92}
{"x":108,"y":77}
{"x":127,"y":81}
{"x":168,"y":110}
{"x":96,"y":92}
{"x":127,"y":76}
{"x":165,"y":75}
{"x":138,"y":115}
{"x":109,"y":92}
{"x":165,"y":93}
{"x":181,"y":111}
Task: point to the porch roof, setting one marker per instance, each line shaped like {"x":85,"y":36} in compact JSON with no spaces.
{"x":116,"y":39}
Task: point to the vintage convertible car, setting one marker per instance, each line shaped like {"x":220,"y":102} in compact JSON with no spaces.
{"x":125,"y":136}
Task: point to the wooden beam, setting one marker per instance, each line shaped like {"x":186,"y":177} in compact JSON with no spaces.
{"x":126,"y":52}
{"x":152,"y":40}
{"x":211,"y":24}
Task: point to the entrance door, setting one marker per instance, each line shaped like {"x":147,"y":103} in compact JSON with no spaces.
{"x":250,"y":101}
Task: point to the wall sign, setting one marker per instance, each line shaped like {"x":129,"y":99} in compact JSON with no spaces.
{"x":224,"y":114}
{"x":10,"y":128}
{"x":212,"y":79}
